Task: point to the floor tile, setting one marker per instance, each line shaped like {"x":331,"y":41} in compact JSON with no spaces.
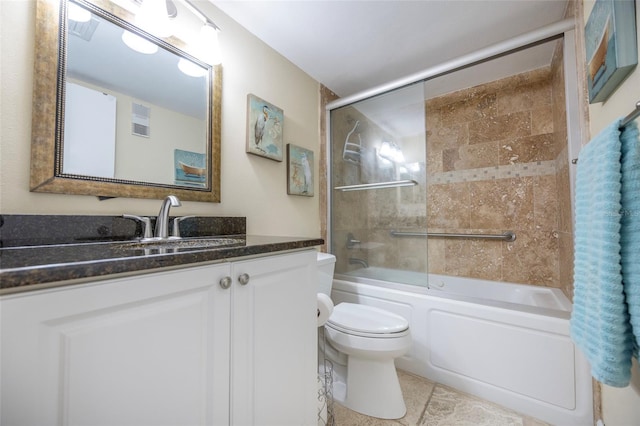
{"x":345,"y":417}
{"x":416,"y":391}
{"x":530,"y":421}
{"x":432,"y":404}
{"x":448,"y":408}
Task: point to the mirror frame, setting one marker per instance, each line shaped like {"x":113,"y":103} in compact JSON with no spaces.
{"x":46,"y":167}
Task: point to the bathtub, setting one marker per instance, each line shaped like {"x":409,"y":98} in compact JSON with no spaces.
{"x":506,"y":343}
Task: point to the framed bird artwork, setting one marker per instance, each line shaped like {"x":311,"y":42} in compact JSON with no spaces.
{"x":299,"y":171}
{"x":264,"y":128}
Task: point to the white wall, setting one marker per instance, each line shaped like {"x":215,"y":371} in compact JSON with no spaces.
{"x":251,"y":186}
{"x":620,"y":406}
{"x":168,"y":130}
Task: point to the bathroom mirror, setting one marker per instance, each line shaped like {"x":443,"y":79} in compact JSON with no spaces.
{"x":110,"y":121}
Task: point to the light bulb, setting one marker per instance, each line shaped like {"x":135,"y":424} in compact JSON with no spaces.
{"x":391,"y":152}
{"x":208,"y":47}
{"x":154,"y":18}
{"x":138,"y":43}
{"x":190,"y":68}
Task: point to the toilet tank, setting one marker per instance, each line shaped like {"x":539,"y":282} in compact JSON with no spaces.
{"x":326,"y":264}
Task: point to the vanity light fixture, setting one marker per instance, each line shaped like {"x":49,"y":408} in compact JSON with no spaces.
{"x":207,"y":45}
{"x":207,"y":50}
{"x":153,"y":17}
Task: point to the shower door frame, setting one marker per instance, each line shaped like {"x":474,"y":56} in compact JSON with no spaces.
{"x":564,"y":29}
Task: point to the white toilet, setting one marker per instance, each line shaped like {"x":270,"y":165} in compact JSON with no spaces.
{"x":370,"y":339}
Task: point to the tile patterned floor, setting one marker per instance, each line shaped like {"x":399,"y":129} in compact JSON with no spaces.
{"x":432,"y":404}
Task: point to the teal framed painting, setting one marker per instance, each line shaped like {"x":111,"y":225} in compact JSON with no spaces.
{"x":264,"y":128}
{"x":611,"y":46}
{"x":299,"y":171}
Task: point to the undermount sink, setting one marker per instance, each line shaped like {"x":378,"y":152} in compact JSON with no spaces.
{"x":184,"y":243}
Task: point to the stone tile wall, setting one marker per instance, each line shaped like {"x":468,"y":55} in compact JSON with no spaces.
{"x":493,"y":156}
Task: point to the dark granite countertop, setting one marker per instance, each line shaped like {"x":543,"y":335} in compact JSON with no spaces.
{"x":27,"y":268}
{"x":39,"y":251}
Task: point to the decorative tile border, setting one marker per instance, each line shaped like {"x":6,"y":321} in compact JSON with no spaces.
{"x":537,"y":168}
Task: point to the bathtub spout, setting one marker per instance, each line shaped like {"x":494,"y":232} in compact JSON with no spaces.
{"x":356,"y":261}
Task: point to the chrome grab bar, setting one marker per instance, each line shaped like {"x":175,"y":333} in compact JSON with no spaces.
{"x":377,"y":185}
{"x":508,"y":236}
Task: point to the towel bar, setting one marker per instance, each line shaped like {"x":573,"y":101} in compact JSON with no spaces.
{"x":628,"y":119}
{"x":377,"y":185}
{"x":632,"y":116}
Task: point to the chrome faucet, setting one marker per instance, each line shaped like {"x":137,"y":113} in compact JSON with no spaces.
{"x":162,"y":221}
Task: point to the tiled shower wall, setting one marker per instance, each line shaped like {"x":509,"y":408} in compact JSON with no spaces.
{"x":496,"y":160}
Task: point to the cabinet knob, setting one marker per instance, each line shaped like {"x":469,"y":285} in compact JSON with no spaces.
{"x":244,"y":279}
{"x":225,"y":282}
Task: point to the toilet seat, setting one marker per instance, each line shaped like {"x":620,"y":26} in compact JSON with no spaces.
{"x":367,"y":321}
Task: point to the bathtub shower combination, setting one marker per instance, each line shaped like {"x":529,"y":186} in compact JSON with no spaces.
{"x":449,"y":205}
{"x":507,"y":343}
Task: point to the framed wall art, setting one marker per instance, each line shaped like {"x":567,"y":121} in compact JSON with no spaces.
{"x":190,"y":168}
{"x":611,"y":46}
{"x":299,"y":171}
{"x":264,"y":128}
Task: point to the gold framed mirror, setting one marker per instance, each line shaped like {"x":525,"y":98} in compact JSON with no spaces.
{"x":132,"y":142}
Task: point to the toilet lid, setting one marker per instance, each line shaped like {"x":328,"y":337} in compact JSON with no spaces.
{"x":366,"y":319}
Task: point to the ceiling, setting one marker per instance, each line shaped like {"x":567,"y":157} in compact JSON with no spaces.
{"x":97,"y":55}
{"x":351,"y":46}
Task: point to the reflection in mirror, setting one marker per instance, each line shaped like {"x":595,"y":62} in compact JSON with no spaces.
{"x":117,"y":123}
{"x":128,"y":123}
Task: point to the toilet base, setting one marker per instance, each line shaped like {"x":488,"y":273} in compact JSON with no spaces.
{"x":373,"y":388}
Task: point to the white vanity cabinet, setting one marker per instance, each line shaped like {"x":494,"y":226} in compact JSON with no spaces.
{"x":166,"y":348}
{"x":274,"y":342}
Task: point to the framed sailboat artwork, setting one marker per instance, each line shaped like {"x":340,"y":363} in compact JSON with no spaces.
{"x":190,"y":168}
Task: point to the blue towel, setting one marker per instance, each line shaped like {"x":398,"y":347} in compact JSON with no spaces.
{"x":600,"y":322}
{"x":630,"y":226}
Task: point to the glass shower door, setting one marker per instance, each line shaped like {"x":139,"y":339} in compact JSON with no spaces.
{"x":378,"y":187}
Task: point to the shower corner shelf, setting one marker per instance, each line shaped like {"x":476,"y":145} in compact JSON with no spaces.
{"x":352,"y":150}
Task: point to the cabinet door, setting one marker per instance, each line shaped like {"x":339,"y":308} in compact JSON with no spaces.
{"x":147,"y":350}
{"x":273,"y":357}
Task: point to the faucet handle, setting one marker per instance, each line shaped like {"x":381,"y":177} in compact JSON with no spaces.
{"x":351,"y":241}
{"x":176,"y":224}
{"x":146,"y":224}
